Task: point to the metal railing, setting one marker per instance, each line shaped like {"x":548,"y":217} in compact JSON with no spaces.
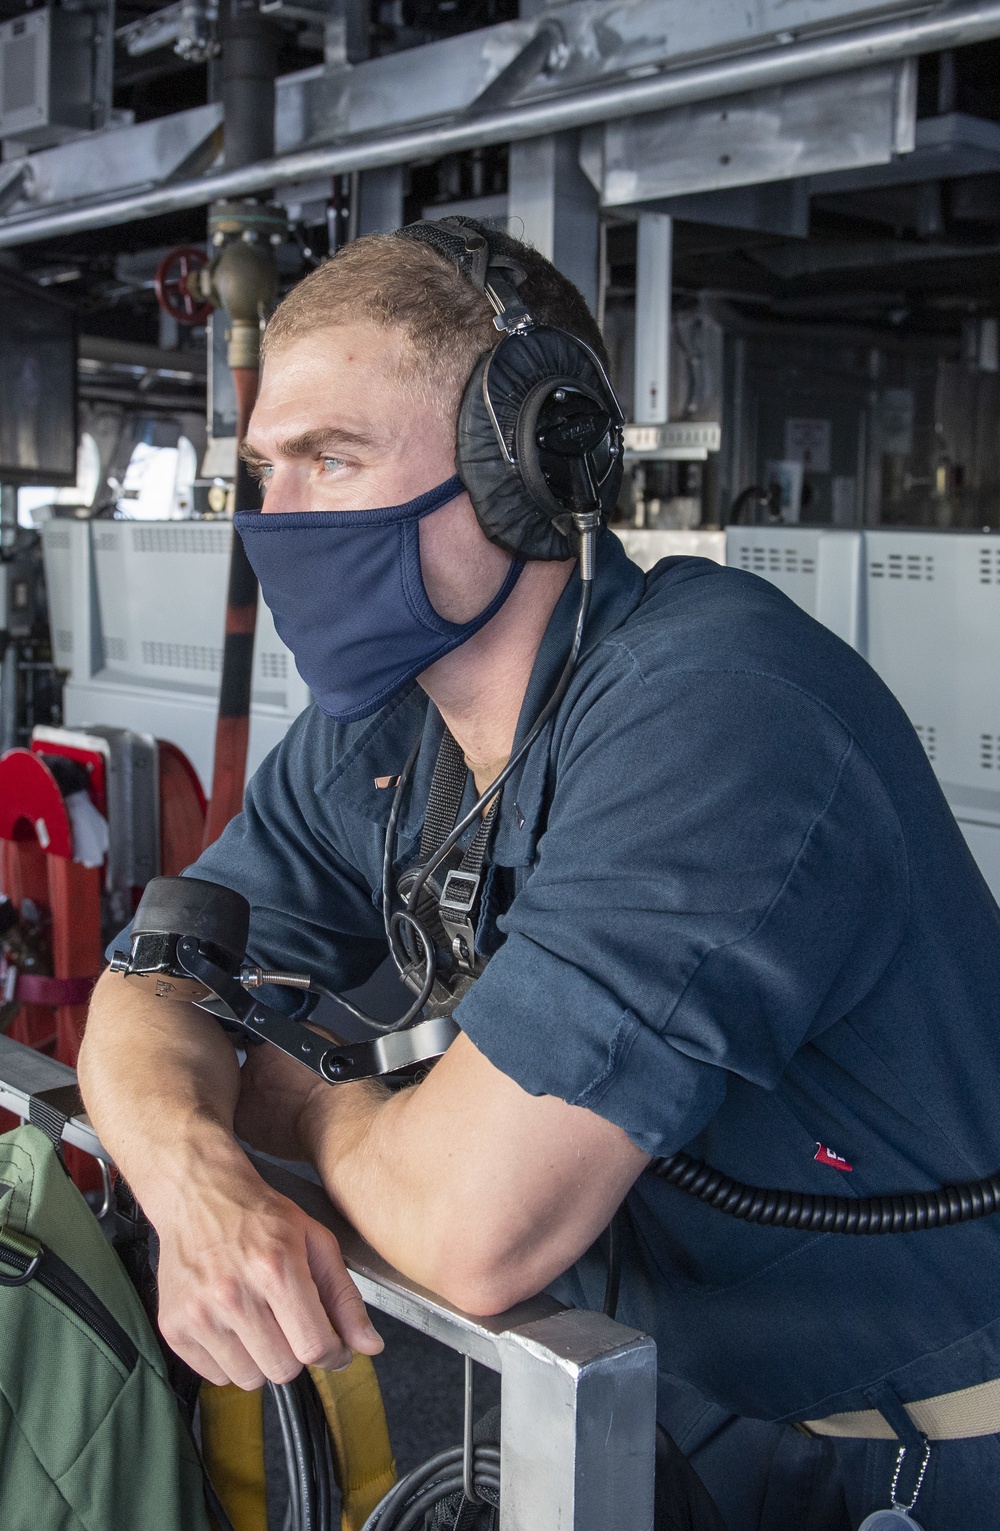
{"x":578,"y":1391}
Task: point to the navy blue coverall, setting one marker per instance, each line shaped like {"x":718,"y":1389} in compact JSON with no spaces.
{"x":728,"y":910}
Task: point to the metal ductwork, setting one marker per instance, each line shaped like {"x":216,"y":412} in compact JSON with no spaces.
{"x":855,"y":48}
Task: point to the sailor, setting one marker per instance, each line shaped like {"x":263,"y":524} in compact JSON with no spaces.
{"x":724,"y":907}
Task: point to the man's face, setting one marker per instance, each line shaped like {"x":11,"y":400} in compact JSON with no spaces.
{"x":334,"y":429}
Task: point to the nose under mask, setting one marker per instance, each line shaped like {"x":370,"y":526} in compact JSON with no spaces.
{"x":347,"y":594}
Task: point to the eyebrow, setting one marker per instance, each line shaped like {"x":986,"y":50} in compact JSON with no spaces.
{"x":310,"y":444}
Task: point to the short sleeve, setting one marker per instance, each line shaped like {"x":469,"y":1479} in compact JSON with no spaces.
{"x":722,"y":876}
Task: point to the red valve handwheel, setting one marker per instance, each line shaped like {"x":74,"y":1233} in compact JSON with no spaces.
{"x":171,"y":285}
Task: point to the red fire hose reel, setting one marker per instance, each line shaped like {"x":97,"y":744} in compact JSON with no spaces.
{"x":36,"y":850}
{"x":37,"y":868}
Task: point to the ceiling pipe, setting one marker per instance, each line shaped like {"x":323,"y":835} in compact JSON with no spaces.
{"x":779,"y":64}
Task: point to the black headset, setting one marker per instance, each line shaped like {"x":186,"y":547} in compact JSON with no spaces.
{"x":539,"y":426}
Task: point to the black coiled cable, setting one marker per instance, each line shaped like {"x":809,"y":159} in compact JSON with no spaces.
{"x":904,"y":1212}
{"x":405,"y":1505}
{"x":308,"y":1454}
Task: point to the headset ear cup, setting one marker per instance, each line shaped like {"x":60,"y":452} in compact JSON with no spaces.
{"x":506,"y":513}
{"x":512,"y":501}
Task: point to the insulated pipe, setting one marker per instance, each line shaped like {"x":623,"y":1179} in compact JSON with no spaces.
{"x":244,"y":276}
{"x":249,"y":65}
{"x":777,"y":65}
{"x":232,"y":728}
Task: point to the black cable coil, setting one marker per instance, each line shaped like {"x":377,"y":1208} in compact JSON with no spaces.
{"x":312,"y":1490}
{"x":904,"y":1212}
{"x":405,"y":1506}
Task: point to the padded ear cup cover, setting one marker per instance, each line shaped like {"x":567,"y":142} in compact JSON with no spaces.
{"x":509,"y":513}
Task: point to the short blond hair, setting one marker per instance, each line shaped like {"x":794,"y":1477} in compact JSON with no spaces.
{"x":395,"y":284}
{"x":445,"y":323}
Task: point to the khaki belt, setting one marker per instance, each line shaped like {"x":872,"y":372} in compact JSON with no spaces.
{"x":969,"y":1412}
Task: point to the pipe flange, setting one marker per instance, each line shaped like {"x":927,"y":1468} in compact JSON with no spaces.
{"x":248,"y":219}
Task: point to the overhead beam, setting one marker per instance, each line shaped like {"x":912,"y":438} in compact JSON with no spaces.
{"x":900,"y":38}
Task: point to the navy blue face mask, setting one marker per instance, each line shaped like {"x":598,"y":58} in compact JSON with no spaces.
{"x":347,"y":595}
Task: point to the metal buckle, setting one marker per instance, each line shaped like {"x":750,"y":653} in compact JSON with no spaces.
{"x":460,"y":892}
{"x":455,"y":906}
{"x":28,"y":1248}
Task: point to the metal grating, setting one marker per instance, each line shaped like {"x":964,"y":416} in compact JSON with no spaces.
{"x":776,"y":560}
{"x":180,"y":539}
{"x":989,"y":566}
{"x":272,"y":666}
{"x":927,"y":734}
{"x":115,"y":648}
{"x":106,"y":542}
{"x":181,"y":656}
{"x":64,"y":640}
{"x":918,"y":566}
{"x":989,"y":752}
{"x":58,"y":539}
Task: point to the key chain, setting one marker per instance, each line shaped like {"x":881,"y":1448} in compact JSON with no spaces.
{"x":899,"y":1517}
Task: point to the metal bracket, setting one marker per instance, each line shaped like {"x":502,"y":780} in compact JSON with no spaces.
{"x":335,"y":1062}
{"x":458,"y":899}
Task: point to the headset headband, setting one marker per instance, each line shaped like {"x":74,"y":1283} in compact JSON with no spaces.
{"x":537,"y":399}
{"x":463,"y":242}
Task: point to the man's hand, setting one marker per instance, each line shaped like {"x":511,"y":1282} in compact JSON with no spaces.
{"x":250,"y":1287}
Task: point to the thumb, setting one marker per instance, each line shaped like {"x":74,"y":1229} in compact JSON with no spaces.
{"x":338,"y":1294}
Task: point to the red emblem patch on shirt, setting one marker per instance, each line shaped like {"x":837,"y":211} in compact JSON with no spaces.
{"x":835,"y":1161}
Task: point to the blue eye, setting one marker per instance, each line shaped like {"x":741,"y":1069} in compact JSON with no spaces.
{"x":331,"y":464}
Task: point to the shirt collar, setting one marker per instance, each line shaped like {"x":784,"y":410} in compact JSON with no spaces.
{"x":619,"y":586}
{"x":381,"y":745}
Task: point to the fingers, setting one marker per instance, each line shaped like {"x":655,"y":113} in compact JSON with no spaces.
{"x":297,"y":1307}
{"x":340,"y":1298}
{"x":199,"y":1361}
{"x":230,"y":1337}
{"x":261,"y":1305}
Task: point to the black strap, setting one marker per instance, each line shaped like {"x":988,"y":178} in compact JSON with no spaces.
{"x":474,"y":857}
{"x":50,"y":1110}
{"x":461,"y":888}
{"x":444,"y":802}
{"x":445,"y":797}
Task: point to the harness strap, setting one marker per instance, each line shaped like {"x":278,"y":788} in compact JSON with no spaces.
{"x":461,"y":886}
{"x":443,"y":804}
{"x":474,"y":857}
{"x":445,"y":796}
{"x":50,"y":1110}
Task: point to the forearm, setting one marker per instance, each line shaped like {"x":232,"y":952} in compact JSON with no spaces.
{"x":249,"y":1286}
{"x":360,"y":1139}
{"x":467,"y":1185}
{"x":160,"y":1081}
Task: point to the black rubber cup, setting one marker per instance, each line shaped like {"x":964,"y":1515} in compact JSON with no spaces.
{"x":186,"y":906}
